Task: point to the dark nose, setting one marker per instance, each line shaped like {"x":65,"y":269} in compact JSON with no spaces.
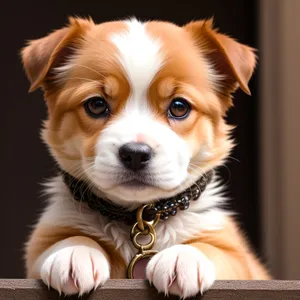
{"x":135,"y":156}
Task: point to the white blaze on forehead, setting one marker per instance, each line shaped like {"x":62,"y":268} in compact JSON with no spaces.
{"x":140,"y":56}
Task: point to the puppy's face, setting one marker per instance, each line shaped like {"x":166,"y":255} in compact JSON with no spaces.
{"x":135,"y":108}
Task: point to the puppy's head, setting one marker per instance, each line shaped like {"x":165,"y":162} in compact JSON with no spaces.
{"x":137,"y":109}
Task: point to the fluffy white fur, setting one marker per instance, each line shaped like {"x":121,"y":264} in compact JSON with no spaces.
{"x":181,"y":270}
{"x":74,"y":265}
{"x":63,"y":210}
{"x":77,"y":265}
{"x":140,"y":56}
{"x":166,"y":171}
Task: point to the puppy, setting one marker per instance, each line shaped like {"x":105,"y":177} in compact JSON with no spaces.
{"x":136,"y":117}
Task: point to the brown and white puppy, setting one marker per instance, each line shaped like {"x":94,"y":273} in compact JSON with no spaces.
{"x":155,"y":83}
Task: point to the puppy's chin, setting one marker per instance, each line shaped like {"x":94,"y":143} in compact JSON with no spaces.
{"x":128,"y":195}
{"x":134,"y":193}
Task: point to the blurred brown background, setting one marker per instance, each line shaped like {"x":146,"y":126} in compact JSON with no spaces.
{"x":280,"y":135}
{"x":262,"y":178}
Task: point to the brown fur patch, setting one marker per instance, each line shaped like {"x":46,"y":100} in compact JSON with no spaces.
{"x":230,"y":253}
{"x":186,"y":74}
{"x":67,"y":117}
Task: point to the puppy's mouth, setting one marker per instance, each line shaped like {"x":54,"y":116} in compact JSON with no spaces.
{"x":136,"y":184}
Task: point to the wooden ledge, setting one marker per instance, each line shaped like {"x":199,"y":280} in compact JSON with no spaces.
{"x":23,"y":289}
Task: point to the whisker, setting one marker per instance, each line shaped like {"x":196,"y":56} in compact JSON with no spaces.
{"x":219,"y":166}
{"x":83,"y":78}
{"x":233,"y":158}
{"x":89,"y":68}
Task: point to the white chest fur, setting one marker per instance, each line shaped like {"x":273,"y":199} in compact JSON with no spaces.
{"x":64,"y":211}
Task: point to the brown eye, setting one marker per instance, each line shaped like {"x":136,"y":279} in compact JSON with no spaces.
{"x":96,"y":107}
{"x":179,"y":109}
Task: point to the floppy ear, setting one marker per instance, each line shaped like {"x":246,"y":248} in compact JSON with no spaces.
{"x":232,"y":60}
{"x":41,"y":56}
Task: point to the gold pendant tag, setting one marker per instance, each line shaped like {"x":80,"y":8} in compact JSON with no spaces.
{"x":137,"y":267}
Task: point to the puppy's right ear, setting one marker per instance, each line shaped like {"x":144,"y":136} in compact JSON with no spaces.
{"x":40,"y":57}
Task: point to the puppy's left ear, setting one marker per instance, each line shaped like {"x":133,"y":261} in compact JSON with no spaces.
{"x":41,"y":57}
{"x":233,"y":61}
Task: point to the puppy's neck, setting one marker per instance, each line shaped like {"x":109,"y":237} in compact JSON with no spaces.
{"x":164,"y":208}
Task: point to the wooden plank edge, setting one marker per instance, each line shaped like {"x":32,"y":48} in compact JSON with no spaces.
{"x":23,"y":289}
{"x":141,"y":284}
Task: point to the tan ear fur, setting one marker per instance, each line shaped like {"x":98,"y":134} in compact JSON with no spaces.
{"x":41,"y":56}
{"x":233,"y":60}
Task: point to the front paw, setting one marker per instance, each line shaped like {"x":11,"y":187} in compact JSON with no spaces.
{"x":181,"y":270}
{"x":75,"y":269}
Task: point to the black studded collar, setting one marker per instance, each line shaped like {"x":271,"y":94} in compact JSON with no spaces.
{"x":165,"y":207}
